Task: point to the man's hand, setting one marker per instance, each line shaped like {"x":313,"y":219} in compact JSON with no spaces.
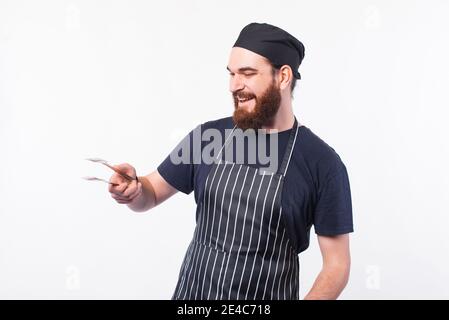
{"x":141,"y":195}
{"x":335,"y":272}
{"x":126,"y":191}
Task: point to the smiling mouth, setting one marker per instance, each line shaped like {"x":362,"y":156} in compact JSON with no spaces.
{"x":240,"y":100}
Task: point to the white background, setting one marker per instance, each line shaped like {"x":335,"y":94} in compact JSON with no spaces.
{"x":125,"y":80}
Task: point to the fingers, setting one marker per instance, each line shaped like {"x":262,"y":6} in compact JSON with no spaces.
{"x":131,"y":197}
{"x":125,"y":191}
{"x":137,"y":191}
{"x":120,"y":182}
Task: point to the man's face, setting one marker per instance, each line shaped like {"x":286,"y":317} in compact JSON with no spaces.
{"x":255,"y":91}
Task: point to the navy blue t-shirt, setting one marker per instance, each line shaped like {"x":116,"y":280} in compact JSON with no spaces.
{"x":316,"y":186}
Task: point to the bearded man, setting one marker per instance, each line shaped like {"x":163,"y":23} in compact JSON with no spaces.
{"x":252,"y":223}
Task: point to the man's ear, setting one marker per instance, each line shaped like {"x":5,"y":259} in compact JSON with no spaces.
{"x":285,"y":77}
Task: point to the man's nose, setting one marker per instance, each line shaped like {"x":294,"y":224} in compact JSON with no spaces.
{"x":236,"y":84}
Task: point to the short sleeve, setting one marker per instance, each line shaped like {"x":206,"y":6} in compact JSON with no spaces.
{"x":333,"y":212}
{"x":178,"y":167}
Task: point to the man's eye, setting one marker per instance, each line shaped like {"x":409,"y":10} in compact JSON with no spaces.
{"x":249,"y":74}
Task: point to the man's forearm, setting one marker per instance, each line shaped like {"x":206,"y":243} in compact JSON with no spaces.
{"x":329,"y":284}
{"x":146,"y":200}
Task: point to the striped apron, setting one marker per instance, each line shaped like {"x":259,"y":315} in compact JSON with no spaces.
{"x":240,"y":248}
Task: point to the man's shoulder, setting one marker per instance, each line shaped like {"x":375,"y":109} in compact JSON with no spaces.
{"x":317,"y":153}
{"x":315,"y":146}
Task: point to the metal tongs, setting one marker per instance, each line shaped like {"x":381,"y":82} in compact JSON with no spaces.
{"x":104,"y":162}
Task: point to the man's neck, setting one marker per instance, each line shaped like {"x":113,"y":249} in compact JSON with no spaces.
{"x":283,"y":120}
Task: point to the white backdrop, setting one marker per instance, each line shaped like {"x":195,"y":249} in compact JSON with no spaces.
{"x":125,"y":80}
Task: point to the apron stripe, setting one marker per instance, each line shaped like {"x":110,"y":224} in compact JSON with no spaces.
{"x":272,"y":252}
{"x":285,"y":279}
{"x":260,"y":234}
{"x":226,"y":230}
{"x":250,"y":238}
{"x":196,"y":254}
{"x":189,"y":279}
{"x":215,"y":204}
{"x":206,"y":188}
{"x":290,"y":282}
{"x":243,"y":233}
{"x":201,"y":251}
{"x":276,"y":271}
{"x":185,"y":263}
{"x":219,"y":226}
{"x":200,"y":216}
{"x":281,"y":275}
{"x":233,"y":236}
{"x":190,"y":249}
{"x":268,"y":238}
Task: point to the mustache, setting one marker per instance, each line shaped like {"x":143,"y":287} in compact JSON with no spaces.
{"x":243,"y":95}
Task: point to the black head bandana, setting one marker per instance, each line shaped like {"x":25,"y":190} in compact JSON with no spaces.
{"x":275,"y":44}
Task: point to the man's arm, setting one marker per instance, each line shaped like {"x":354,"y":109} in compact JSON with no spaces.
{"x":334,"y":274}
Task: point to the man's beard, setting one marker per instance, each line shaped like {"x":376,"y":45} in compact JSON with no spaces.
{"x":265,"y":109}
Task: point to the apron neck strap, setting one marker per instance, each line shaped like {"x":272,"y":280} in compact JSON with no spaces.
{"x":289,"y":150}
{"x":218,"y":156}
